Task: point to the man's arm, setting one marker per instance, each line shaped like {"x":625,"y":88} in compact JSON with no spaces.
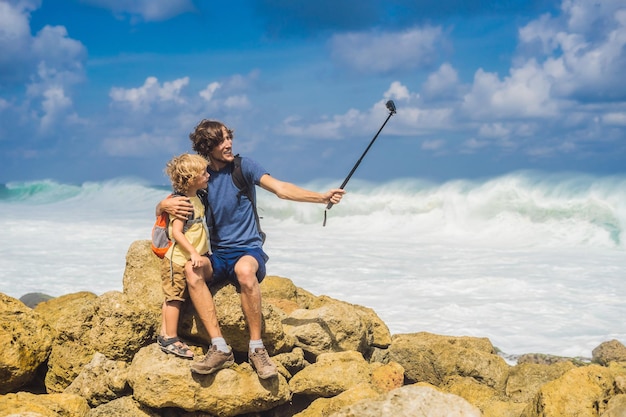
{"x":178,"y":206}
{"x":289,"y":191}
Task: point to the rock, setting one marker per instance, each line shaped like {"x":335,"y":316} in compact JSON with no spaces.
{"x":26,"y":341}
{"x":616,"y":407}
{"x":32,"y":299}
{"x":387,"y":377}
{"x":431,"y":358}
{"x":525,"y":379}
{"x":327,"y":406}
{"x":545,"y":359}
{"x":142,"y":276}
{"x":336,"y":326}
{"x":65,"y":313}
{"x":411,"y":401}
{"x":327,"y":377}
{"x":111,"y":324}
{"x":282,"y":290}
{"x":160,"y":380}
{"x":583,"y":391}
{"x":49,"y":405}
{"x":101,"y":381}
{"x":611,"y":351}
{"x":487,"y":399}
{"x":293,"y":361}
{"x":123,"y":407}
{"x":121,"y":326}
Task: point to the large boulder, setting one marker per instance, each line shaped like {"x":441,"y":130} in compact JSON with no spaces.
{"x":101,"y":381}
{"x":328,"y":376}
{"x":160,"y":380}
{"x":43,"y":405}
{"x":111,"y":324}
{"x":336,"y":326}
{"x":411,"y":401}
{"x":431,"y":358}
{"x":526,"y":379}
{"x":26,"y":341}
{"x":326,"y":406}
{"x":491,"y":402}
{"x":142,"y":275}
{"x":581,"y":392}
{"x":340,"y":379}
{"x":127,"y":407}
{"x":607,"y":352}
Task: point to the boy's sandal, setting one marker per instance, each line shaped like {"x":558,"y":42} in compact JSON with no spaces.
{"x":175,"y":346}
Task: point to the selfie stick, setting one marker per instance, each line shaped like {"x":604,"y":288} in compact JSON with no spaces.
{"x":392,"y":110}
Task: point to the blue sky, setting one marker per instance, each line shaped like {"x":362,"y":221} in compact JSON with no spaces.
{"x":92,"y":90}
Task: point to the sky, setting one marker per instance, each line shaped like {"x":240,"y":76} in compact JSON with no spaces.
{"x":93,"y":90}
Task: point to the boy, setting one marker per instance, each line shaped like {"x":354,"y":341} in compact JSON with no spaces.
{"x":188,"y":254}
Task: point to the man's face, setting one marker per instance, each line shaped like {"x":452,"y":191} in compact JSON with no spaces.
{"x":224,"y":151}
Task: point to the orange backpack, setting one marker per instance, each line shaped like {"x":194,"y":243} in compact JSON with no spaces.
{"x":161,"y":240}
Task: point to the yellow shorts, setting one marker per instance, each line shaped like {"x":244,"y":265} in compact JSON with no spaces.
{"x":173,"y":281}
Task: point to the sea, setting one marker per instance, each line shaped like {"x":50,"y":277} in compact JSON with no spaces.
{"x":536,"y":262}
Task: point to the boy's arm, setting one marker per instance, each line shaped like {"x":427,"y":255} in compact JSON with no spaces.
{"x":180,"y":239}
{"x":178,"y":206}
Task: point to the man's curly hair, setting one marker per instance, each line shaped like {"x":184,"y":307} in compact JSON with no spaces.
{"x":207,"y":135}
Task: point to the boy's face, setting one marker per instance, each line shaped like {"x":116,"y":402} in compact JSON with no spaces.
{"x":223,"y":153}
{"x":201,"y":181}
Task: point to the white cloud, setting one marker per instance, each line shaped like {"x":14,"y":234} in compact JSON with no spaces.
{"x":237,"y":102}
{"x":55,"y":104}
{"x":397,"y":91}
{"x":433,"y":145}
{"x":524,"y":93}
{"x":380,"y":52}
{"x":209,"y":91}
{"x":139,"y":145}
{"x":49,"y":64}
{"x":583,"y":49}
{"x":615,"y":119}
{"x":494,"y":130}
{"x":472,"y":145}
{"x":442,"y":84}
{"x":150,"y":93}
{"x":148,"y":10}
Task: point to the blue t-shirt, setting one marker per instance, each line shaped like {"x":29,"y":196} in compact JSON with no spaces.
{"x":234,"y":222}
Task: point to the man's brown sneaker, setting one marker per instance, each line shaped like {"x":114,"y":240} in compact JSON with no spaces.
{"x":213,"y":361}
{"x":261,"y":362}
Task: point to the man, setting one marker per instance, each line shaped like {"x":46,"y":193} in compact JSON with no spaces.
{"x":236,"y":242}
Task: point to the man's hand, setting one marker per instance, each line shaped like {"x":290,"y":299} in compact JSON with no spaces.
{"x":334,"y":196}
{"x":179,"y":206}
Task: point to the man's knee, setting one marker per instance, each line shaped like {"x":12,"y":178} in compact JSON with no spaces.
{"x":192,"y":276}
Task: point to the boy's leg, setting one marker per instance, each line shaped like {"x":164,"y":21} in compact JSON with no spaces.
{"x":201,"y":297}
{"x":171,"y":314}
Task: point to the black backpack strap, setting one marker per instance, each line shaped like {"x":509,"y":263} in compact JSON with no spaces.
{"x":246,"y":189}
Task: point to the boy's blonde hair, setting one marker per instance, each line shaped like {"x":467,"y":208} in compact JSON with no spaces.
{"x":183,"y":169}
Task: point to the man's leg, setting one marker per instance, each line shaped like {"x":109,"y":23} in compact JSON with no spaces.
{"x":245,"y":270}
{"x":201,"y":297}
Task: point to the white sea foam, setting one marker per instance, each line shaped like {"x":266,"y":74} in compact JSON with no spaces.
{"x":534,"y":262}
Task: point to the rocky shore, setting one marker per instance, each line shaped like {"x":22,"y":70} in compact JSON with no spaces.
{"x":83,"y":355}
